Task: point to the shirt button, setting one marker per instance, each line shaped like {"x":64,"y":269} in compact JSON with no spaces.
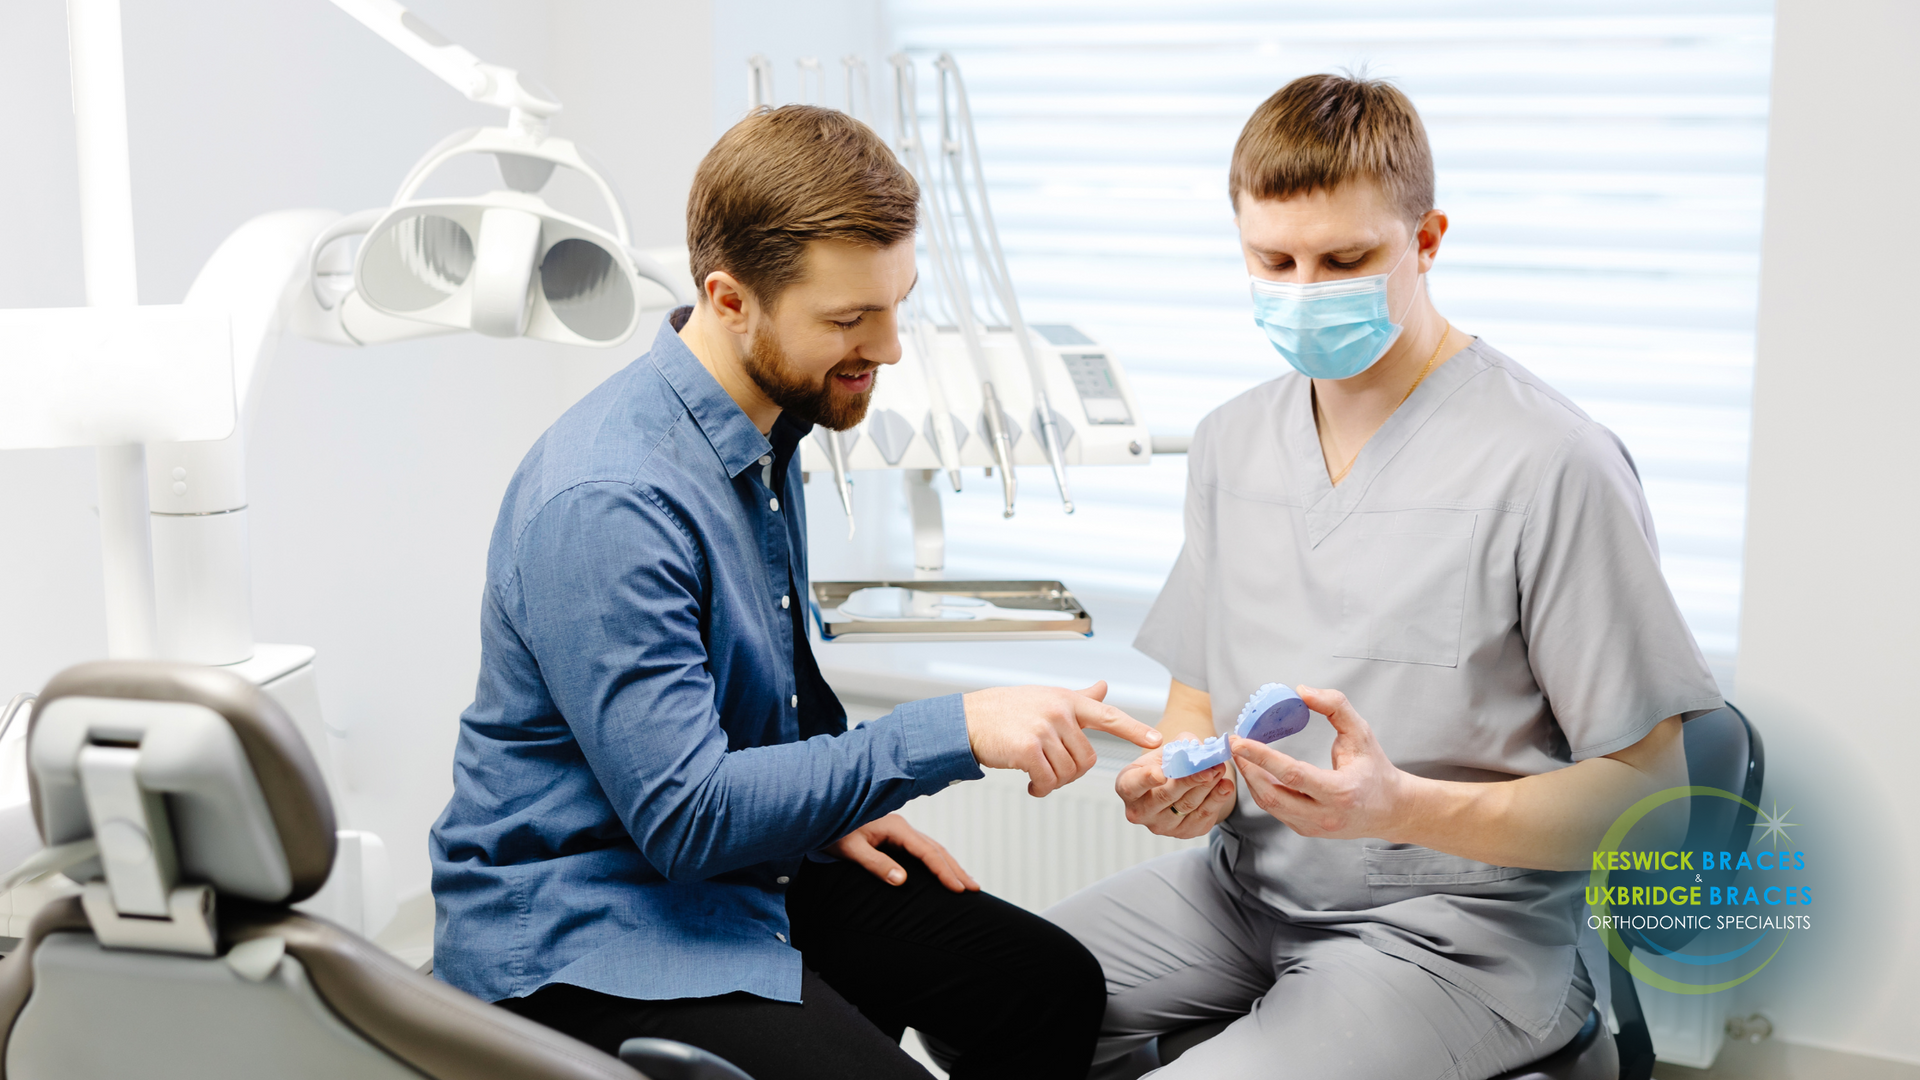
{"x":950,"y":783}
{"x":781,"y":936}
{"x":766,"y":460}
{"x":794,"y":701}
{"x":773,"y":505}
{"x":782,"y":880}
{"x":785,"y":600}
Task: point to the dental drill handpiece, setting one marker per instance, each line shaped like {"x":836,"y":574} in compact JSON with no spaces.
{"x":1002,"y":443}
{"x":1049,"y":428}
{"x":906,"y":122}
{"x":939,"y":416}
{"x":837,"y":454}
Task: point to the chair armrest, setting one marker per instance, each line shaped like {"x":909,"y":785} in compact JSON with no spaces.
{"x":664,"y":1059}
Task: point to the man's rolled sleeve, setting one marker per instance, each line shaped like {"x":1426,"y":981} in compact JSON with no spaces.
{"x":934,"y":735}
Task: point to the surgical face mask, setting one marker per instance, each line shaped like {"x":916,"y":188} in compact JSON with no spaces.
{"x":1329,"y":329}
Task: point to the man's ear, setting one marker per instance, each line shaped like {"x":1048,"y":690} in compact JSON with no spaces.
{"x":728,"y":298}
{"x":1431,"y":230}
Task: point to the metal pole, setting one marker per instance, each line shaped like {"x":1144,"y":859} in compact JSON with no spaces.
{"x":106,"y":242}
{"x":929,"y":526}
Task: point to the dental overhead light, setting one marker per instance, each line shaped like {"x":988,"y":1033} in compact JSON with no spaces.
{"x":506,"y":263}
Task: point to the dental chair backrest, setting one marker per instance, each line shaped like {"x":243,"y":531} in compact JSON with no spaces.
{"x":181,"y":956}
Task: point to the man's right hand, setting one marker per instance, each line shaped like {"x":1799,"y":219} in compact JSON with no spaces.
{"x":1182,"y":808}
{"x":1037,"y":729}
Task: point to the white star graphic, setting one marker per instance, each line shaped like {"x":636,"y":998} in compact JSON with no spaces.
{"x":1775,"y":824}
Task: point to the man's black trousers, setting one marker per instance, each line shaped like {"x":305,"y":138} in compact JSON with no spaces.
{"x":1010,"y":993}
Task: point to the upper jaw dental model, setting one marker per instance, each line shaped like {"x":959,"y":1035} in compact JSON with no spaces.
{"x":1272,"y":713}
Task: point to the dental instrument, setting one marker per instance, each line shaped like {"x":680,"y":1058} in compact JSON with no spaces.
{"x":961,"y":152}
{"x":949,"y":272}
{"x":759,"y":82}
{"x":855,"y":68}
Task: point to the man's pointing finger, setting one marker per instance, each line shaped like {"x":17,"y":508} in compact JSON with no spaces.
{"x":1093,"y":714}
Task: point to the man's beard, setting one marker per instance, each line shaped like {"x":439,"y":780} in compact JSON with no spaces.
{"x":816,"y":403}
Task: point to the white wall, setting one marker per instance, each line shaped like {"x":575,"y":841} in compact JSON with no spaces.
{"x":375,"y":473}
{"x":1828,"y":634}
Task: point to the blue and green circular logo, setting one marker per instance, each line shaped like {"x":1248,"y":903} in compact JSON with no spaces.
{"x":1703,"y":919}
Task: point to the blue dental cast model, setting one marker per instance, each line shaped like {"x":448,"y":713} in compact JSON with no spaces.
{"x":1272,"y":713}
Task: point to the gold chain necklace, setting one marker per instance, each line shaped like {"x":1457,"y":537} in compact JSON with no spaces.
{"x":1417,"y":380}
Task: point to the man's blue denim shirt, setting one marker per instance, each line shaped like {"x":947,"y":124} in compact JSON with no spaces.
{"x":651,"y":750}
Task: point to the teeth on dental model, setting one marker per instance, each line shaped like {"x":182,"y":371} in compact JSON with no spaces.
{"x":1272,"y":713}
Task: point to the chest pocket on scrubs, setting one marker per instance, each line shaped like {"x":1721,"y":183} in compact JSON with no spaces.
{"x":1405,"y":585}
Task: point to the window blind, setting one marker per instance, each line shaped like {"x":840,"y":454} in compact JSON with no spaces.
{"x":1601,"y":163}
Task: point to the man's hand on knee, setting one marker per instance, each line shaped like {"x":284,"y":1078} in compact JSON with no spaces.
{"x":1185,"y":807}
{"x":1037,"y":729}
{"x":862,"y":848}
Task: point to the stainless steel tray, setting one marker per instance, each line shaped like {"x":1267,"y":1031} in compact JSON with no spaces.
{"x":1031,"y":595}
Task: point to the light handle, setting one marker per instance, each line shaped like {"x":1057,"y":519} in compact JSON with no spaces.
{"x":503,"y":270}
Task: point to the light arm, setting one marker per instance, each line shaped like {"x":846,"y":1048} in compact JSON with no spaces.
{"x":486,"y":83}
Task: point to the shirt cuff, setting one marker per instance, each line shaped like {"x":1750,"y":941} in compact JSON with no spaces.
{"x":934,"y":734}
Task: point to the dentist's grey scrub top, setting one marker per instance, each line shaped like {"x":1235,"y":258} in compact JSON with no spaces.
{"x":1486,"y":589}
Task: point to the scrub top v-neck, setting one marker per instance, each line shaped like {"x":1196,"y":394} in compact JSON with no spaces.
{"x":1485,"y":586}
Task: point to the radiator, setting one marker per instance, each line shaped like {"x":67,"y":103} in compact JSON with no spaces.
{"x":1035,"y":852}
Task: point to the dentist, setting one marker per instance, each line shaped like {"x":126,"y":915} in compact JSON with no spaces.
{"x":1413,"y":517}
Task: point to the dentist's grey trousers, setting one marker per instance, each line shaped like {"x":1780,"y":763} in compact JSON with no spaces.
{"x":1179,"y":949}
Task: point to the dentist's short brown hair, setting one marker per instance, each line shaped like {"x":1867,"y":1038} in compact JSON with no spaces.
{"x":782,"y":178}
{"x":1321,"y":131}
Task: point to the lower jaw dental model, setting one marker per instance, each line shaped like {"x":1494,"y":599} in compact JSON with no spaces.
{"x":1271,"y":714}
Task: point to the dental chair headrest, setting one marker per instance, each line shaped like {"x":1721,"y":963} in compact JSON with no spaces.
{"x":249,"y":812}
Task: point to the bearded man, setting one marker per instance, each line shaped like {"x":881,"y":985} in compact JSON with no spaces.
{"x":661,"y":825}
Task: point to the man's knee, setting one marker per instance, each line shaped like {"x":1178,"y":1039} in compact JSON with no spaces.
{"x":1065,"y":980}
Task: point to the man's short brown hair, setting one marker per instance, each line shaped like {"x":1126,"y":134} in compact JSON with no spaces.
{"x":784,"y":177}
{"x":1320,"y":131}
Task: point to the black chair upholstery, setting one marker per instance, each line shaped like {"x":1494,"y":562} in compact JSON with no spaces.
{"x":1724,"y":751}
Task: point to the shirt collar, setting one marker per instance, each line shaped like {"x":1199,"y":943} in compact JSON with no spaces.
{"x":1328,"y":505}
{"x":726,"y":427}
{"x":787,"y":433}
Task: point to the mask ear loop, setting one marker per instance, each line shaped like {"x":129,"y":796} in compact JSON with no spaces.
{"x":1411,"y":244}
